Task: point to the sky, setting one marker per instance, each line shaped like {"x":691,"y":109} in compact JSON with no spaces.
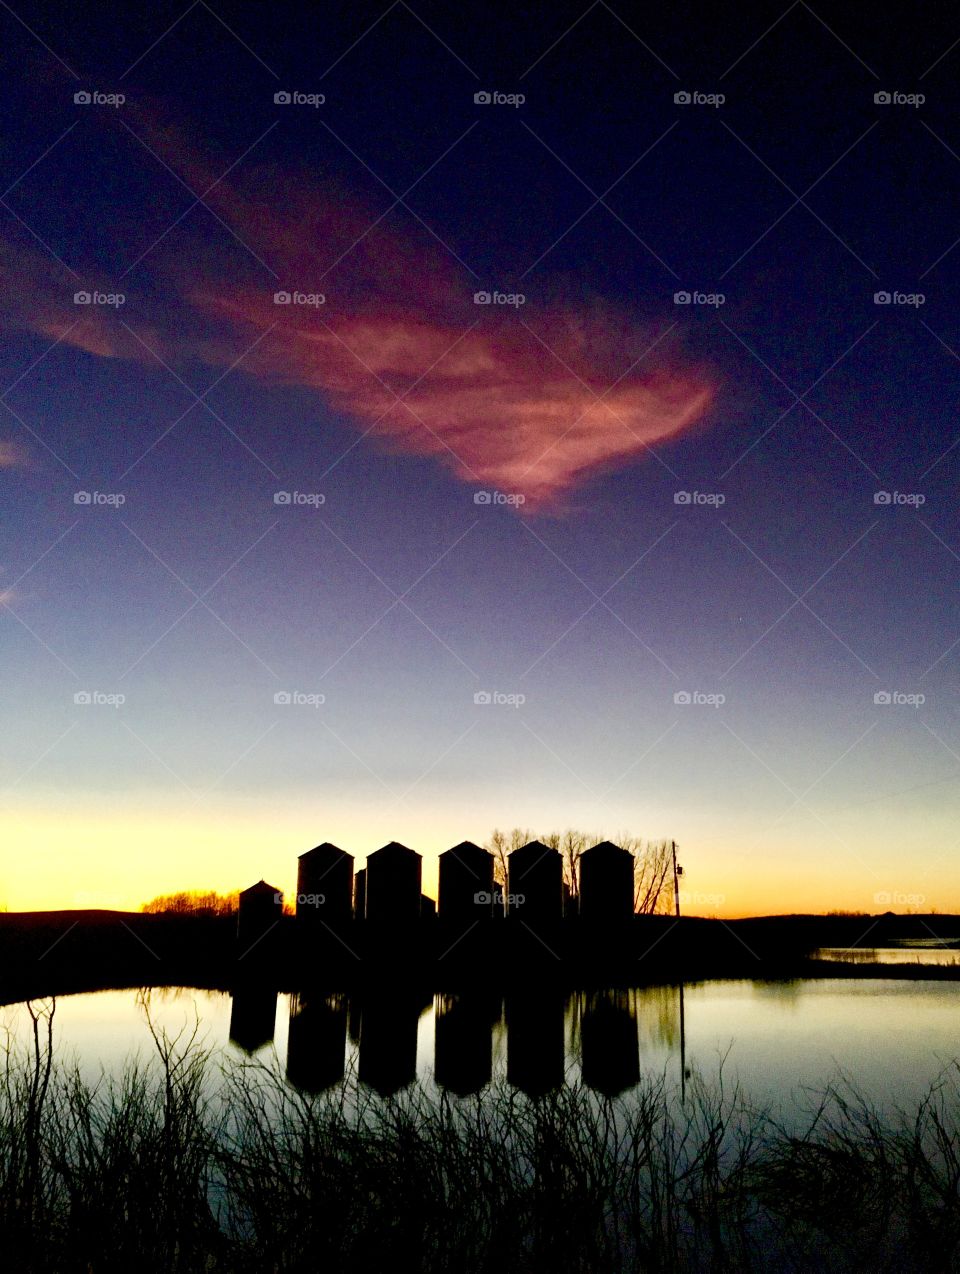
{"x":417,"y":422}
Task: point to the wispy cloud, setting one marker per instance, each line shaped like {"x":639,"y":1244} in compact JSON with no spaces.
{"x":532,"y":399}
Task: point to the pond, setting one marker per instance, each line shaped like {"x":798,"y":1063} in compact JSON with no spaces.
{"x":779,"y":1040}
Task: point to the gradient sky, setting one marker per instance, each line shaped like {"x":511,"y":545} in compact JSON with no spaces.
{"x":790,"y":591}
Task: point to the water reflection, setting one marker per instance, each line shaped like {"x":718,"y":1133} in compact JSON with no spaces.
{"x":892,"y":1034}
{"x":388,"y":1039}
{"x":463,"y":1041}
{"x":317,"y":1040}
{"x":253,"y":1015}
{"x":912,"y":953}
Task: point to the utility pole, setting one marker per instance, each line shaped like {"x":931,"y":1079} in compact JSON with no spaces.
{"x":677,"y":872}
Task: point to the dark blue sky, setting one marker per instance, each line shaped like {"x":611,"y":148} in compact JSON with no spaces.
{"x":782,"y":412}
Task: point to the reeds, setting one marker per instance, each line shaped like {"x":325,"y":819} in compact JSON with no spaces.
{"x":184,"y":1165}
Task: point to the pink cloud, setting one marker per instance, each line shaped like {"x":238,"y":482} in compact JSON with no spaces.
{"x":532,"y":400}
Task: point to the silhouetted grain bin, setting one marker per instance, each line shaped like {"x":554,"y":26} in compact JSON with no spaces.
{"x":360,"y":894}
{"x":466,"y":883}
{"x":428,"y":908}
{"x":261,"y":907}
{"x":324,"y":885}
{"x":535,"y":884}
{"x":606,"y":883}
{"x":393,"y":886}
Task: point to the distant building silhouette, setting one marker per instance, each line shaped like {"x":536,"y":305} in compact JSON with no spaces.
{"x":324,"y":885}
{"x":428,"y":908}
{"x":360,"y":894}
{"x":466,"y":878}
{"x":535,"y":883}
{"x":393,"y":886}
{"x":606,"y":883}
{"x":260,"y":908}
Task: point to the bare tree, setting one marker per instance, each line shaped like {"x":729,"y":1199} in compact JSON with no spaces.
{"x":502,"y":845}
{"x":652,"y":874}
{"x":653,"y":862}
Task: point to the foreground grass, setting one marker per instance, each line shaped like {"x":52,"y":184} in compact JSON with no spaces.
{"x":183,"y":1166}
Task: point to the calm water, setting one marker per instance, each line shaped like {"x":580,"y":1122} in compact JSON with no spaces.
{"x":777,"y":1039}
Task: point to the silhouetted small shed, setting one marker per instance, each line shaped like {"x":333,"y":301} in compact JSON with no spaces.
{"x":260,"y":908}
{"x":606,"y":883}
{"x":393,"y":885}
{"x":466,"y":883}
{"x":360,"y":894}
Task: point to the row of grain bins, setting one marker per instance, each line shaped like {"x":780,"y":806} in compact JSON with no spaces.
{"x":388,"y":891}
